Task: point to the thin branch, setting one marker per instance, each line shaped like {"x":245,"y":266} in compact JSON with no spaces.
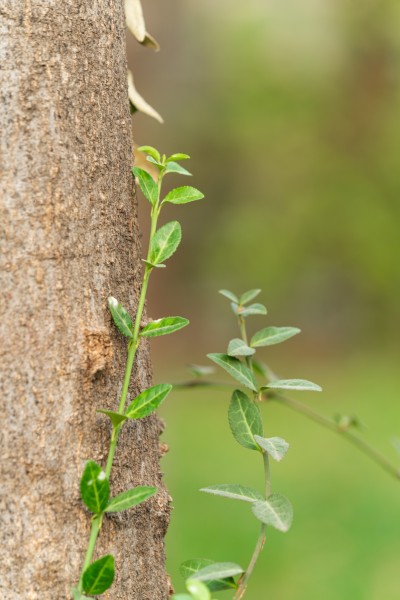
{"x":361,"y":444}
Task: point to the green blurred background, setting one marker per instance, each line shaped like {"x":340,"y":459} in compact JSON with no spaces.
{"x":290,"y":110}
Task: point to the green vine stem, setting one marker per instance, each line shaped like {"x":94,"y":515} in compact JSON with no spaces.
{"x":97,"y":577}
{"x":243,"y":582}
{"x":132,"y":349}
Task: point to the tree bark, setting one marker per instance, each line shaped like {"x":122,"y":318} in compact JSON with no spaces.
{"x":69,"y":239}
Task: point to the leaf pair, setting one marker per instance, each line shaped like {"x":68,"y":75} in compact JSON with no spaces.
{"x":275,"y":511}
{"x":155,"y":328}
{"x":150,"y":189}
{"x":245,"y":376}
{"x":246,"y":425}
{"x":167,"y":165}
{"x":95,"y":492}
{"x":244,"y":298}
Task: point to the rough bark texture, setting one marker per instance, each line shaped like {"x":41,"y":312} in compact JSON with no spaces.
{"x":69,"y":239}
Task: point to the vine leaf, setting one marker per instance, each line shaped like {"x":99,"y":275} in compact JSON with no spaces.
{"x":272,"y":335}
{"x":183,"y":195}
{"x":147,"y":185}
{"x":293,"y":384}
{"x":276,"y":511}
{"x":245,"y":420}
{"x":164,"y":326}
{"x":116,"y":418}
{"x":130,"y":498}
{"x":94,"y":487}
{"x":253,"y":309}
{"x":153,"y":152}
{"x":190,"y":568}
{"x":230,"y":295}
{"x":234,"y":491}
{"x":219,"y":571}
{"x":177,"y":156}
{"x":275,"y":447}
{"x":165,"y":242}
{"x":120,"y":317}
{"x":248,"y":296}
{"x":148,"y":401}
{"x":236,"y":369}
{"x":238,"y":347}
{"x":99,"y":576}
{"x":174,"y":167}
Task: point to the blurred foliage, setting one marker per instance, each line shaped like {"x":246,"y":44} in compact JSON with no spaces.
{"x":290,"y":110}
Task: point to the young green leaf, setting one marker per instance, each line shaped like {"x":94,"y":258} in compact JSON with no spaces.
{"x":247,"y":296}
{"x":276,"y":511}
{"x":237,"y":347}
{"x":234,"y":491}
{"x":275,"y":447}
{"x":174,"y":167}
{"x":253,"y":309}
{"x":245,"y":420}
{"x":219,"y":571}
{"x":163,"y":326}
{"x":95,"y":488}
{"x":198,"y":590}
{"x":165,"y":242}
{"x":272,"y":335}
{"x":182,"y":597}
{"x":116,"y":418}
{"x":236,"y":369}
{"x":190,"y":568}
{"x":152,"y":151}
{"x":183,"y":195}
{"x":153,"y":161}
{"x":293,"y":384}
{"x":148,"y":401}
{"x":178,"y":156}
{"x":120,"y":317}
{"x":230,"y":295}
{"x":147,"y":185}
{"x":130,"y":498}
{"x":99,"y":576}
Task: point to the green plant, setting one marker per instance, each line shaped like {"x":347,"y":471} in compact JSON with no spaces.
{"x":271,"y":509}
{"x":96,"y":577}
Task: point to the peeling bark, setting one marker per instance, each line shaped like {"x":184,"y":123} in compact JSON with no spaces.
{"x":69,"y":239}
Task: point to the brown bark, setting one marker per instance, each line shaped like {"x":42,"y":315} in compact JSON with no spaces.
{"x":69,"y":239}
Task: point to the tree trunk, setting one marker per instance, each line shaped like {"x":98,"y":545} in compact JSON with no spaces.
{"x":69,"y":239}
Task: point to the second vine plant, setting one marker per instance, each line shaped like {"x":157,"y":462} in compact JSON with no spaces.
{"x":97,"y":577}
{"x":204,"y":576}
